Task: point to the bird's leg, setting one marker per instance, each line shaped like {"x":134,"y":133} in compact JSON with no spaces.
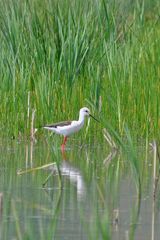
{"x":63,"y":144}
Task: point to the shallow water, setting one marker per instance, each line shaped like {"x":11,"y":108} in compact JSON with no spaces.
{"x":87,"y":195}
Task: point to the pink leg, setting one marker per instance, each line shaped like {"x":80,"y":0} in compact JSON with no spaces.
{"x":63,"y":144}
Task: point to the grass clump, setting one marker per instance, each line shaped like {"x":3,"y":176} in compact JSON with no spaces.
{"x":58,"y":56}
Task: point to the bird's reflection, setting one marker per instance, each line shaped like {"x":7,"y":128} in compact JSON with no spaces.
{"x":73,"y":174}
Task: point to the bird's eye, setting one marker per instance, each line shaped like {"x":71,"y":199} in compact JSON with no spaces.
{"x":86,"y":111}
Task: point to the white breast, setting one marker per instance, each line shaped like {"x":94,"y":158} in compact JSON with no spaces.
{"x":70,"y":129}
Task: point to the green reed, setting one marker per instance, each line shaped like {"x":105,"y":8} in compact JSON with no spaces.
{"x":58,"y":56}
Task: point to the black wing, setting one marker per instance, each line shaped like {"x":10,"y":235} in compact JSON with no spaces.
{"x":60,"y":124}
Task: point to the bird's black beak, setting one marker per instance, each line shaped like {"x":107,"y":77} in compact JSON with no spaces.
{"x":93,"y":118}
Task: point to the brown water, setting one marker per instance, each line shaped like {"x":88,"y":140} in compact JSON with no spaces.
{"x":90,"y":197}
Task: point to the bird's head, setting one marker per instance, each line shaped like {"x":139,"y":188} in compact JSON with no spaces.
{"x":86,"y":112}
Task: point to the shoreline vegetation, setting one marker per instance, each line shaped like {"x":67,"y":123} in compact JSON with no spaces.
{"x":58,"y":56}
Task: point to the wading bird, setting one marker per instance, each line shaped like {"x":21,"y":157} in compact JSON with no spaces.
{"x":69,"y":127}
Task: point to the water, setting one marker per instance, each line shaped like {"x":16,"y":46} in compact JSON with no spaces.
{"x":90,"y":197}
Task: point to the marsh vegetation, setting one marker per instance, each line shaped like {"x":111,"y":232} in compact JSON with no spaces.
{"x":56,"y":57}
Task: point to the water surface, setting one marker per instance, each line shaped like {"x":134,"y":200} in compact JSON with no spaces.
{"x":88,"y":195}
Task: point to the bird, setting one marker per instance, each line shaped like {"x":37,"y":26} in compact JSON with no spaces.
{"x":67,"y":128}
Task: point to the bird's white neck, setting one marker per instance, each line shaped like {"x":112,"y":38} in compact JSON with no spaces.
{"x":81,"y":118}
